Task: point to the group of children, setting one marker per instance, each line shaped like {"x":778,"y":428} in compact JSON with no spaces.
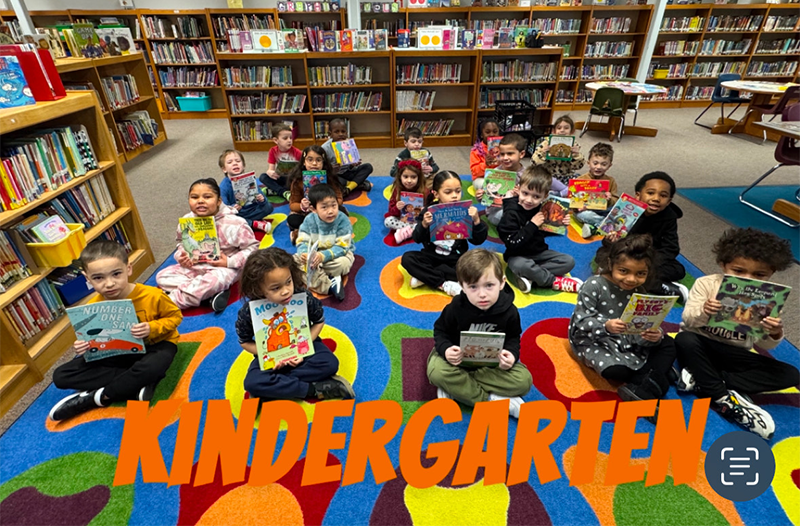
{"x":715,"y":363}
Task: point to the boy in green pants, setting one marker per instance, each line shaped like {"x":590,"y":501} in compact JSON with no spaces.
{"x":486,"y":304}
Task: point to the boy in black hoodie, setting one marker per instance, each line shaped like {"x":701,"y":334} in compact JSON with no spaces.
{"x":485,"y":305}
{"x":530,"y":260}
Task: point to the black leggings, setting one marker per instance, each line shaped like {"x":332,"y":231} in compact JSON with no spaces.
{"x":659,"y":361}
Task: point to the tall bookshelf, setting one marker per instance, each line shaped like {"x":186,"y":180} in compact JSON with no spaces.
{"x":22,"y":364}
{"x":318,"y":19}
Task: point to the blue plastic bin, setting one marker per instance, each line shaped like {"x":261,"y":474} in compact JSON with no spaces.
{"x":194,"y":103}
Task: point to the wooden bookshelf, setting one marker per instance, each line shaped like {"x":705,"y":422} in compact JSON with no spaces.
{"x":23,"y":364}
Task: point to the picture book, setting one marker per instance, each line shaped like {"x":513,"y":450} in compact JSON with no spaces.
{"x":346,"y":152}
{"x":421,"y":155}
{"x":497,"y":184}
{"x":429,"y":38}
{"x":14,"y":89}
{"x":51,"y":229}
{"x":622,"y":216}
{"x":505,"y":38}
{"x":265,"y":40}
{"x":381,"y":38}
{"x":520,"y":34}
{"x":292,"y":40}
{"x":588,"y":193}
{"x":363,"y":41}
{"x":468,"y":39}
{"x":313,"y":177}
{"x":493,"y":150}
{"x":106,"y":325}
{"x":413,"y":203}
{"x":245,"y":188}
{"x":282,"y":332}
{"x":555,"y":209}
{"x":346,"y":40}
{"x":488,"y":39}
{"x":116,"y":40}
{"x":199,"y":239}
{"x":481,"y":349}
{"x":560,"y":148}
{"x":327,"y":41}
{"x":745,"y":302}
{"x":403,"y":38}
{"x":86,"y":40}
{"x":645,"y":312}
{"x":285,"y":166}
{"x":451,"y":221}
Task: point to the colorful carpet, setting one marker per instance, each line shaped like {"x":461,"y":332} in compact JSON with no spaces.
{"x":63,"y":474}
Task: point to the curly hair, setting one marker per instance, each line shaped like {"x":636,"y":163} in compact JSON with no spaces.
{"x":602,"y":149}
{"x":263,"y":261}
{"x":636,"y":247}
{"x":751,"y":243}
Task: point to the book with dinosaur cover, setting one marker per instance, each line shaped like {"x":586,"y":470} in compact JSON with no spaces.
{"x":106,"y":325}
{"x":745,"y":302}
{"x":451,"y":221}
{"x":282,"y":332}
{"x":497,"y":184}
{"x":622,"y":216}
{"x":588,"y":193}
{"x":312,"y":177}
{"x":199,"y":239}
{"x":560,"y":148}
{"x":555,"y":209}
{"x":245,"y":188}
{"x":481,"y":349}
{"x":413,"y":203}
{"x":645,"y":312}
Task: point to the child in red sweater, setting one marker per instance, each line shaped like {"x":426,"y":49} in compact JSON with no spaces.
{"x":408,"y":178}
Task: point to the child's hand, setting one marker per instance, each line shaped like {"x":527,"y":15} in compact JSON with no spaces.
{"x":545,"y":145}
{"x":711,"y":307}
{"x":538,"y":219}
{"x":608,"y":195}
{"x":221,"y":262}
{"x":260,"y":198}
{"x":237,"y":207}
{"x":454,"y":355}
{"x":616,"y":326}
{"x":183,"y":259}
{"x":566,"y":220}
{"x":773,"y":326}
{"x":652,"y":335}
{"x":479,"y":193}
{"x":506,"y":360}
{"x":515,"y":191}
{"x":575,"y":150}
{"x":273,"y":174}
{"x":612,"y":236}
{"x":489,"y":159}
{"x":140,"y":330}
{"x":427,"y":219}
{"x":305,"y":204}
{"x":80,"y":347}
{"x":399,"y":205}
{"x":473,"y":213}
{"x":426,"y":169}
{"x":303,"y":258}
{"x":318,"y":259}
{"x":294,"y":362}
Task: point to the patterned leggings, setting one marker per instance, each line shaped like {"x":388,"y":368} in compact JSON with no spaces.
{"x":187,"y":287}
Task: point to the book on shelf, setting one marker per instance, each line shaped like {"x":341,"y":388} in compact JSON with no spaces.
{"x":428,"y":73}
{"x":451,"y":221}
{"x":292,"y":40}
{"x":346,"y":152}
{"x":339,"y":75}
{"x":505,"y":38}
{"x":137,"y":129}
{"x":438,"y":128}
{"x":381,"y":39}
{"x":481,"y":349}
{"x":555,"y":209}
{"x":560,"y":147}
{"x":106,"y":327}
{"x":350,"y":101}
{"x":46,"y":229}
{"x":86,"y":40}
{"x":116,"y":41}
{"x":182,"y":52}
{"x":645,"y":312}
{"x":14,"y":89}
{"x":34,"y":310}
{"x":429,"y":38}
{"x":199,"y":239}
{"x":746,"y":302}
{"x":14,"y":260}
{"x":497,"y":184}
{"x":413,"y":203}
{"x":120,"y":90}
{"x":589,"y":194}
{"x":283,"y":331}
{"x":312,"y":178}
{"x":468,"y":39}
{"x":622,"y":216}
{"x":245,"y":188}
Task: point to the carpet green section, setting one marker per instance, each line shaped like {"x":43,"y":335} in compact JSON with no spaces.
{"x":392,"y":338}
{"x":361,"y":228}
{"x":663,"y":505}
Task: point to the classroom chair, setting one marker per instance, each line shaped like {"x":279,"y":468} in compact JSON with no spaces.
{"x":633,"y":100}
{"x":791,"y":93}
{"x":717,"y":97}
{"x":607,"y":102}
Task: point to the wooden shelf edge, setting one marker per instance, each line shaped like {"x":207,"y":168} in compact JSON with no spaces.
{"x":13,"y":119}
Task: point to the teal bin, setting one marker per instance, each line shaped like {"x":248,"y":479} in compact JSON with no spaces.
{"x":194,"y":103}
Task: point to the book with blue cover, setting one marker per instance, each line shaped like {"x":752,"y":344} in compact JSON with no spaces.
{"x":14,"y":89}
{"x":106,"y":326}
{"x":313,"y":177}
{"x":451,"y":221}
{"x":282,"y":332}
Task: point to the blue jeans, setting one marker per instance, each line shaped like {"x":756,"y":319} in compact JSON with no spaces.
{"x":590,"y":217}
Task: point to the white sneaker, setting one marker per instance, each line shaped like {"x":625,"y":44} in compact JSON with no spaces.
{"x":451,"y":288}
{"x":683,"y":290}
{"x":414,"y":283}
{"x":685,"y":381}
{"x":587,"y":231}
{"x":739,"y":409}
{"x":514,"y":403}
{"x":441,"y":393}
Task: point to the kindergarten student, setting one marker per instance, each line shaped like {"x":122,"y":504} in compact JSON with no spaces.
{"x":562,"y":171}
{"x":600,"y":158}
{"x":276,"y":179}
{"x":351,"y":176}
{"x":187,"y":283}
{"x":129,"y":376}
{"x":480,"y":157}
{"x":530,"y":260}
{"x":718,"y":363}
{"x":512,"y":150}
{"x":412,"y":139}
{"x":643,"y":361}
{"x":435,"y":264}
{"x":231,"y":162}
{"x":333,"y":232}
{"x":312,"y":158}
{"x":486,"y":304}
{"x":408,"y":178}
{"x":272,"y":274}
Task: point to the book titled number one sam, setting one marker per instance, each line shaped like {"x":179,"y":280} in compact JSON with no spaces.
{"x":106,"y":326}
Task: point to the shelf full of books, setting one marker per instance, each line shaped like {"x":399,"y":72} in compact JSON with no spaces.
{"x":74,"y":193}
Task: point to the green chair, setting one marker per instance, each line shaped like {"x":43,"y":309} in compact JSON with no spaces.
{"x":607,"y":102}
{"x":633,"y":104}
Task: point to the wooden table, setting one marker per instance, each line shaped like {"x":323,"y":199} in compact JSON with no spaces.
{"x":630,"y":89}
{"x":762,"y":95}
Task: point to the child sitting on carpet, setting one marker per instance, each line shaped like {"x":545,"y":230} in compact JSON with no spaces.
{"x":408,"y":178}
{"x":486,"y":304}
{"x":188,"y":283}
{"x":562,"y":171}
{"x":280,"y":160}
{"x":272,"y":274}
{"x":512,"y":150}
{"x":128,"y":376}
{"x":313,"y":158}
{"x":480,"y":158}
{"x":231,"y":162}
{"x":350,"y":176}
{"x":413,"y":139}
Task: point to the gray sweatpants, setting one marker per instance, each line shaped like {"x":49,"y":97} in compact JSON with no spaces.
{"x":543,"y":268}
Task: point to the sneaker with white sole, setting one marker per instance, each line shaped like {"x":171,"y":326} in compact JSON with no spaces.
{"x":414,"y":283}
{"x":451,"y":288}
{"x":565,"y":284}
{"x":676,"y":289}
{"x":441,"y":393}
{"x":74,"y":405}
{"x":220,"y":302}
{"x":514,"y":403}
{"x":739,"y":409}
{"x":523,"y":284}
{"x":334,"y":387}
{"x":264,"y":226}
{"x":337,"y":288}
{"x":587,"y":231}
{"x":685,"y":381}
{"x":146,"y":393}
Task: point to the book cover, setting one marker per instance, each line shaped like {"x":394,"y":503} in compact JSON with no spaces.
{"x":327,"y":41}
{"x":505,"y":38}
{"x":520,"y":34}
{"x":588,"y":193}
{"x":645,"y":312}
{"x":493,"y":149}
{"x":346,"y":152}
{"x":622,"y":216}
{"x":422,"y":155}
{"x":50,"y":230}
{"x":106,"y":325}
{"x":451,"y":221}
{"x":14,"y":89}
{"x":413,"y":203}
{"x":265,"y":40}
{"x":86,"y":40}
{"x":361,"y":41}
{"x":555,"y":209}
{"x":282,"y":332}
{"x":285,"y":166}
{"x":346,"y":40}
{"x":745,"y":302}
{"x":245,"y":188}
{"x":488,"y":39}
{"x":481,"y":349}
{"x":381,"y":38}
{"x":116,"y":40}
{"x":199,"y":239}
{"x":429,"y":38}
{"x":496,"y":185}
{"x":313,"y":177}
{"x":403,"y":38}
{"x":292,"y":41}
{"x":246,"y":40}
{"x":468,"y":39}
{"x":560,"y":148}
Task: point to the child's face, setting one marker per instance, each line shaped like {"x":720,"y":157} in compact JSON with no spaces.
{"x":598,"y":166}
{"x":327,"y":209}
{"x":277,"y":286}
{"x":109,"y":278}
{"x":203,"y":202}
{"x":284,"y":140}
{"x":234,"y":165}
{"x":314,"y":161}
{"x":509,"y":157}
{"x":655,"y":194}
{"x":414,"y":143}
{"x":629,"y":273}
{"x":530,"y":198}
{"x":562,"y":128}
{"x":409,"y":180}
{"x":748,"y":268}
{"x":490,"y":130}
{"x":484,"y":293}
{"x":338,"y":132}
{"x":449,"y":192}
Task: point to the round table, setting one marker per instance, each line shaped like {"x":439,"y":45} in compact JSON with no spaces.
{"x":630,"y":89}
{"x":763,"y":92}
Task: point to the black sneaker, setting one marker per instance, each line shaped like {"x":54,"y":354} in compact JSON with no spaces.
{"x":73,"y":405}
{"x":675,"y":289}
{"x":647,"y":390}
{"x":337,"y":289}
{"x":334,"y":387}
{"x":146,"y":393}
{"x":366,"y":186}
{"x":220,"y":301}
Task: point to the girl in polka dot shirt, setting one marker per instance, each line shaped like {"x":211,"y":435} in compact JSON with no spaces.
{"x":596,"y":333}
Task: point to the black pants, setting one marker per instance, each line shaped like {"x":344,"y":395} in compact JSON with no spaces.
{"x":357,"y":174}
{"x":276,"y":186}
{"x":429,"y":268}
{"x":667,"y":271}
{"x":717,"y":367}
{"x":121,"y":376}
{"x":659,"y":361}
{"x":291,"y":382}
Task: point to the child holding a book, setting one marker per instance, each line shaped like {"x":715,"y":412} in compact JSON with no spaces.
{"x":413,"y":139}
{"x":597,"y":334}
{"x":189,"y":282}
{"x":435,"y":264}
{"x":408,"y":178}
{"x":529,"y":258}
{"x":332,"y":231}
{"x":127,"y":376}
{"x":281,"y":161}
{"x":512,"y":150}
{"x":480,"y":157}
{"x":601,"y":157}
{"x":350,"y":176}
{"x":313,"y":158}
{"x":272,"y":274}
{"x":231,"y":162}
{"x":486,"y":304}
{"x":562,"y":171}
{"x":718,"y":363}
